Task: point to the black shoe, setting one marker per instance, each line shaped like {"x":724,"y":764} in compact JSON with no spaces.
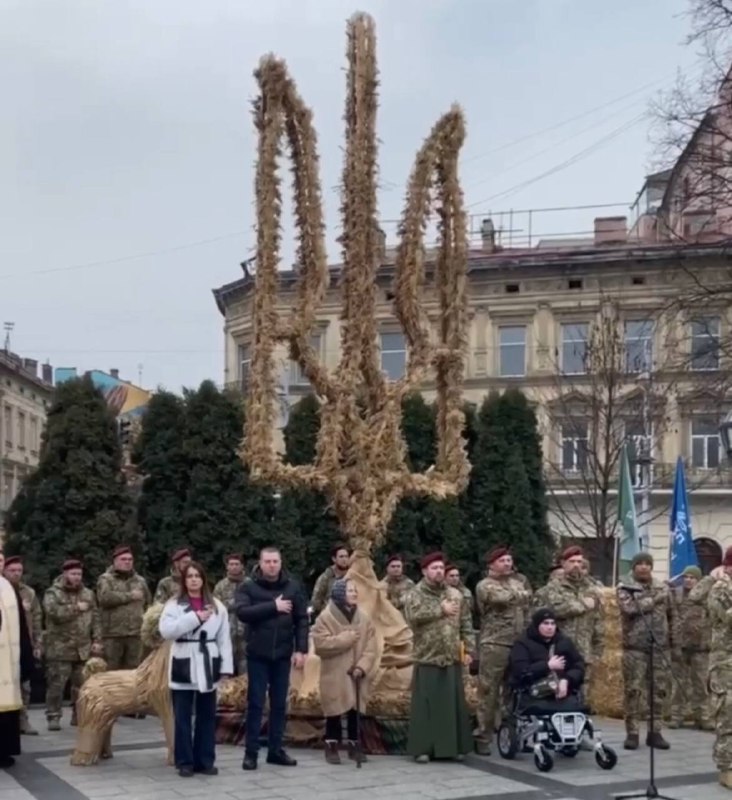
{"x":206,"y":770}
{"x":185,"y":772}
{"x":281,"y":759}
{"x":250,"y":762}
{"x":7,"y":762}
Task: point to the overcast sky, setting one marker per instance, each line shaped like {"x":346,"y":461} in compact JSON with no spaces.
{"x":127,"y":147}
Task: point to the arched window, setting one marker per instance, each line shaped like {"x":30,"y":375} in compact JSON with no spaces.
{"x":709,"y":553}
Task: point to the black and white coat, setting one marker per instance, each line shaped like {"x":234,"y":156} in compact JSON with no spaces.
{"x":200,"y":654}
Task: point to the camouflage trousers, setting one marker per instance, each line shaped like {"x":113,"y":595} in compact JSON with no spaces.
{"x":720,"y":692}
{"x":636,"y":668}
{"x":25,"y":693}
{"x":58,"y":674}
{"x":491,"y":686}
{"x":689,"y":690}
{"x":122,"y":652}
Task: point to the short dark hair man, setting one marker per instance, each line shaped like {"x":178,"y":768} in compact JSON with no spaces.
{"x":273,"y":607}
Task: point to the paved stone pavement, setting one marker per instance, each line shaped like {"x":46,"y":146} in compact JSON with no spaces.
{"x":138,"y":772}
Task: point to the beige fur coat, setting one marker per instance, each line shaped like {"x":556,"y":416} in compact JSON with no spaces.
{"x":339,"y":652}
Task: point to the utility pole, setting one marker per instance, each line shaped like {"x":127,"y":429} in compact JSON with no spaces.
{"x":645,"y":459}
{"x":8,"y":328}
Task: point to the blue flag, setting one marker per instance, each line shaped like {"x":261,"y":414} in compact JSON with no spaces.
{"x":682,"y":553}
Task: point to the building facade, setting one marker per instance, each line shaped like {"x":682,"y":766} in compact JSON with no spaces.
{"x":25,"y":396}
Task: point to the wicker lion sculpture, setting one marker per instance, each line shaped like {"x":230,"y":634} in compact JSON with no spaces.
{"x":105,"y":696}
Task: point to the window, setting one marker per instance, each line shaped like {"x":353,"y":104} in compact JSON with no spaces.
{"x":705,"y":442}
{"x":8,"y":424}
{"x":34,"y":440}
{"x":21,"y":430}
{"x":245,"y":362}
{"x":574,"y":348}
{"x":512,"y":346}
{"x":575,"y":283}
{"x":705,"y":344}
{"x":574,"y":446}
{"x":393,"y":355}
{"x":296,"y":375}
{"x":512,"y":288}
{"x":638,"y":345}
{"x":640,"y":452}
{"x":638,"y":280}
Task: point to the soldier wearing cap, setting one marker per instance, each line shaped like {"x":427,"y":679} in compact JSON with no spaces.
{"x":72,"y":635}
{"x":13,"y":572}
{"x":502,"y":600}
{"x":439,"y":724}
{"x":170,"y":585}
{"x":123,"y":596}
{"x":396,"y":583}
{"x":225,"y":591}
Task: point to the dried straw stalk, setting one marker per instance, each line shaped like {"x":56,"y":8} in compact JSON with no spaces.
{"x":361,"y":457}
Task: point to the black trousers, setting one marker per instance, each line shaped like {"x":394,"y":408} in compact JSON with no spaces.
{"x":195,"y":744}
{"x":334,"y":727}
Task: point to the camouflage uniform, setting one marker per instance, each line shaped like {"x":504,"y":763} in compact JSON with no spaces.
{"x":719,"y":608}
{"x":121,"y":617}
{"x":567,"y":596}
{"x":655,"y":602}
{"x":224,"y":591}
{"x":167,"y":587}
{"x":321,"y":592}
{"x":502,"y":603}
{"x":34,"y":615}
{"x":396,"y":590}
{"x":69,"y":636}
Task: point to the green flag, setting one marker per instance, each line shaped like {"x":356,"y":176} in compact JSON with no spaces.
{"x":629,"y":543}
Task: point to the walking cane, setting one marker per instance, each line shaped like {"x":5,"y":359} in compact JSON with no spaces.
{"x":358,"y":721}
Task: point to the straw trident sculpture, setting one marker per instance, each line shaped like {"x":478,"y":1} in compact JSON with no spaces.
{"x":360,"y":461}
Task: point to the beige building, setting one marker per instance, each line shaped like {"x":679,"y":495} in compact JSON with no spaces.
{"x":24,"y":402}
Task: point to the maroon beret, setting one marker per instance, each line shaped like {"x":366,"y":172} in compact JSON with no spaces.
{"x":450,"y":567}
{"x":496,"y":553}
{"x":10,"y":560}
{"x":121,"y":550}
{"x":234,"y":557}
{"x":431,"y":558}
{"x":572,"y":551}
{"x":184,"y":552}
{"x":395,"y":557}
{"x":72,"y":563}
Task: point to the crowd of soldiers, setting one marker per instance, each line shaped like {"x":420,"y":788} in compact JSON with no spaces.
{"x":688,"y":624}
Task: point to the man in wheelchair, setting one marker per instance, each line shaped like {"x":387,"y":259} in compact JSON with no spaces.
{"x":545,"y":674}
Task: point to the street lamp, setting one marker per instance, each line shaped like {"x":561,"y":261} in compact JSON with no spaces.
{"x":725,"y":435}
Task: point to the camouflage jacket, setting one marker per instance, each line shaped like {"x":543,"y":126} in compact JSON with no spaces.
{"x":568,"y":598}
{"x":396,"y":591}
{"x":167,"y":588}
{"x":225,"y":590}
{"x":70,"y":632}
{"x":120,"y":614}
{"x":33,"y":613}
{"x":321,"y":591}
{"x":691,"y":622}
{"x":502,"y":603}
{"x":719,"y":608}
{"x":438,"y":640}
{"x":655,"y":602}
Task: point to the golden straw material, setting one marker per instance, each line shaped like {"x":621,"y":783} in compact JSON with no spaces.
{"x":606,"y":689}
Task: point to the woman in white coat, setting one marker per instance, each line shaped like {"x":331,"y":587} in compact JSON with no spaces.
{"x":198,"y":626}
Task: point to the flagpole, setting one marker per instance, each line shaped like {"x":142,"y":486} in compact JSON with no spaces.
{"x":616,"y":549}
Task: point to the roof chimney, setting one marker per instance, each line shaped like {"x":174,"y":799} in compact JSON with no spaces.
{"x":611,"y":230}
{"x":488,"y":235}
{"x":114,"y":373}
{"x":47,"y":374}
{"x":30,"y":365}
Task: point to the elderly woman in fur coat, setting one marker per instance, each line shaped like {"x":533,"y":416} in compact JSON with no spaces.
{"x":345,"y":639}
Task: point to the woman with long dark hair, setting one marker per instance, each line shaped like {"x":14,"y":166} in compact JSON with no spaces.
{"x":198,"y":626}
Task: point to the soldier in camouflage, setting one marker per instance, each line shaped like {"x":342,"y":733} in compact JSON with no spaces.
{"x":644,"y":612}
{"x":13,"y":572}
{"x":719,"y":608}
{"x":170,"y":586}
{"x":224,"y":591}
{"x":443,"y":643}
{"x":122,"y":596}
{"x":73,"y":633}
{"x":502,"y":600}
{"x":452,"y":578}
{"x":396,"y":583}
{"x":692,"y":639}
{"x":340,"y":558}
{"x":577,"y":604}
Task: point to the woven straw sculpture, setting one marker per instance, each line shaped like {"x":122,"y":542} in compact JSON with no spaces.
{"x":360,"y":461}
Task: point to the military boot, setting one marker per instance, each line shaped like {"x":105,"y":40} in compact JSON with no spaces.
{"x":632,"y":740}
{"x":54,"y":724}
{"x":725,"y":778}
{"x":674,"y":724}
{"x":656,"y":740}
{"x":704,"y":724}
{"x":482,"y":745}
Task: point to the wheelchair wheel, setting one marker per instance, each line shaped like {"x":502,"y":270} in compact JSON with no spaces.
{"x":543,"y":760}
{"x":507,"y":740}
{"x":569,"y":752}
{"x":605,"y":757}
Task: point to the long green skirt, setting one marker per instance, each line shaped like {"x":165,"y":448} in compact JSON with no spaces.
{"x":439,"y":723}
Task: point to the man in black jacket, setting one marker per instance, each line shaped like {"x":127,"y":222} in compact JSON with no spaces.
{"x":273,"y":607}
